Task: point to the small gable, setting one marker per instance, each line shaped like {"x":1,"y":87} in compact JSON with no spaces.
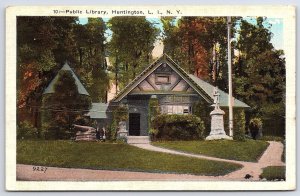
{"x":66,"y":67}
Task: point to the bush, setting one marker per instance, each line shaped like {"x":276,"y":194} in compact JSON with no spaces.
{"x":53,"y":132}
{"x":120,"y":113}
{"x":255,"y":125}
{"x":273,"y":173}
{"x":178,"y":127}
{"x":239,"y":125}
{"x":27,"y":131}
{"x":153,"y":110}
{"x":153,"y":134}
{"x":202,"y":110}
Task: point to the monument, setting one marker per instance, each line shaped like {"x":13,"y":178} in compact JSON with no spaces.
{"x":122,"y":132}
{"x":217,"y":131}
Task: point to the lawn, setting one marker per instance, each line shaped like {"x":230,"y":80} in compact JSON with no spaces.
{"x":273,"y":173}
{"x":249,"y":150}
{"x":110,"y":156}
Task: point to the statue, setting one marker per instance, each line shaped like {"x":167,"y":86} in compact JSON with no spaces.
{"x":216,"y":95}
{"x":217,"y":123}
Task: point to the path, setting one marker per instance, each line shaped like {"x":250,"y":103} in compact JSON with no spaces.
{"x":271,"y":157}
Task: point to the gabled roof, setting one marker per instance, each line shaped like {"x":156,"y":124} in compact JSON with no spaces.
{"x":163,"y":59}
{"x":203,"y":88}
{"x":98,"y":111}
{"x":224,"y":97}
{"x":66,"y":67}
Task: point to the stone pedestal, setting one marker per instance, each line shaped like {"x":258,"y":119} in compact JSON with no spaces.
{"x":217,"y":131}
{"x":122,"y":132}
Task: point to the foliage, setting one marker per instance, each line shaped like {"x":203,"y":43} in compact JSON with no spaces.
{"x":198,"y":44}
{"x":119,"y":113}
{"x":178,"y":127}
{"x":130,"y":46}
{"x":153,"y":110}
{"x":239,"y":123}
{"x":272,"y":173}
{"x":27,"y":131}
{"x":283,"y":156}
{"x":250,"y":150}
{"x":260,"y":74}
{"x":255,"y":125}
{"x":271,"y":138}
{"x":90,"y":61}
{"x":45,"y":43}
{"x":202,"y":110}
{"x":153,"y":134}
{"x":112,"y":156}
{"x":63,"y":108}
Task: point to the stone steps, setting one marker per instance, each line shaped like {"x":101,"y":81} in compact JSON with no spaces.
{"x":138,"y":139}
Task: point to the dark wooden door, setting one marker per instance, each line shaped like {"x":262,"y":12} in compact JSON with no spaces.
{"x":134,"y":124}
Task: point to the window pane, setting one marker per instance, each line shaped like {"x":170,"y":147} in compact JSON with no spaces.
{"x":170,"y":109}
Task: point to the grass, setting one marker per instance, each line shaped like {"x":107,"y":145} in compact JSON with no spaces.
{"x":110,"y":156}
{"x":273,"y":173}
{"x":249,"y":150}
{"x":271,"y":138}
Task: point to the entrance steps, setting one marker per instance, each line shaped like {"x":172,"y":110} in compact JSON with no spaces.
{"x":138,"y":140}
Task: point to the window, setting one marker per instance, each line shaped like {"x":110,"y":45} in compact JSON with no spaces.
{"x":176,"y":109}
{"x":162,"y":79}
{"x":186,"y":110}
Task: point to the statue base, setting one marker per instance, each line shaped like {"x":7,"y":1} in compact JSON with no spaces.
{"x":217,"y":126}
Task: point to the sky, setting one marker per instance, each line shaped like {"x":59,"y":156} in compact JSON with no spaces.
{"x":275,"y":25}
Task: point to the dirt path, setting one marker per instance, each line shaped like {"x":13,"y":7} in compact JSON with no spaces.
{"x":271,"y":157}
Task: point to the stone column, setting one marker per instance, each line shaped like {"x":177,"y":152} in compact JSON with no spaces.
{"x":217,"y":131}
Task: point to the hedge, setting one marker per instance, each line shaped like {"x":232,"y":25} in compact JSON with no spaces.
{"x":177,"y":127}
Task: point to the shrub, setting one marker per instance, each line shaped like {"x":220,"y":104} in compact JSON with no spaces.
{"x":178,"y":127}
{"x":255,"y":125}
{"x":239,"y":125}
{"x":153,"y":110}
{"x":50,"y":131}
{"x":153,"y":134}
{"x":273,"y":173}
{"x":26,"y":130}
{"x":120,"y":113}
{"x":202,"y":110}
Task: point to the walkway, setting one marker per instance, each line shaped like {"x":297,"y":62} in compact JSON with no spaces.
{"x":271,"y":157}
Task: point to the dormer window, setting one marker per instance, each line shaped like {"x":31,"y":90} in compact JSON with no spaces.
{"x":162,"y":79}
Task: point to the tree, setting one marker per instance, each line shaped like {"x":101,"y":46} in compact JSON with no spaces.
{"x":39,"y":47}
{"x":64,"y":107}
{"x":199,"y":44}
{"x":90,"y":53}
{"x":260,"y":72}
{"x":131,"y":44}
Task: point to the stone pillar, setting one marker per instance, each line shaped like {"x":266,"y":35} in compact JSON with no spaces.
{"x":122,"y":132}
{"x":217,"y":131}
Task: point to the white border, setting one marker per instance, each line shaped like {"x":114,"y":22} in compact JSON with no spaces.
{"x":285,"y":12}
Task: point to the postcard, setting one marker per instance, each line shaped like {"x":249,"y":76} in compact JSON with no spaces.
{"x":150,"y":98}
